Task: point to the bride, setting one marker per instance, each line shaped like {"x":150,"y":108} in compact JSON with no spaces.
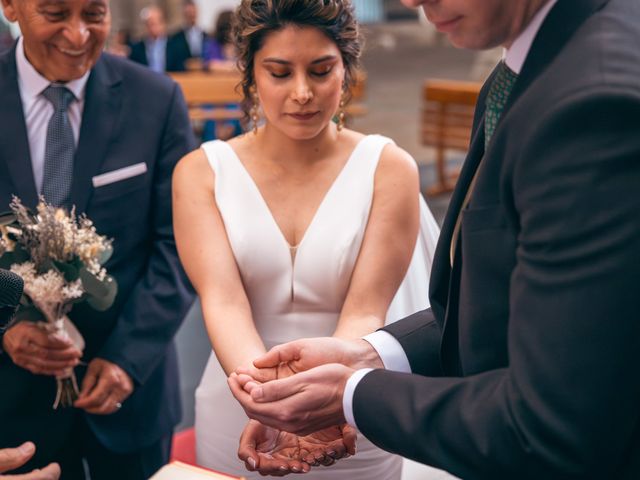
{"x":300,"y":228}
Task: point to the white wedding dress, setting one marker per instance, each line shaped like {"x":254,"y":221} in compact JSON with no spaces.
{"x":301,"y":294}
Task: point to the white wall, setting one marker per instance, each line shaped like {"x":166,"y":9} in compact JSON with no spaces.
{"x":208,"y":11}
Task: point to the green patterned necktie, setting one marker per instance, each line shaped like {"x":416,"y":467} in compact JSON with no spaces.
{"x":496,"y":100}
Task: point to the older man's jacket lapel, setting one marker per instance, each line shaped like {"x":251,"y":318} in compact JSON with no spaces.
{"x":14,"y":141}
{"x":99,"y":124}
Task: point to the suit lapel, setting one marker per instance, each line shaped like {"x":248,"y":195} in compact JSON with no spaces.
{"x":14,"y":141}
{"x":101,"y":110}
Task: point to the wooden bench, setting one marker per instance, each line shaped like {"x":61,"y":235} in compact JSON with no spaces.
{"x":202,"y":88}
{"x":447,"y":118}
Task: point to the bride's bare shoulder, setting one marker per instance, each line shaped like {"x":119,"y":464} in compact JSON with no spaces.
{"x":193,"y":169}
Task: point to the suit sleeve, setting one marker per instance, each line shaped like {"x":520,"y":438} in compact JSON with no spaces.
{"x":419,"y":335}
{"x":162,"y":295}
{"x":567,"y":405}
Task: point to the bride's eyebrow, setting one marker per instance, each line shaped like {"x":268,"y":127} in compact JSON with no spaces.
{"x":281,"y":61}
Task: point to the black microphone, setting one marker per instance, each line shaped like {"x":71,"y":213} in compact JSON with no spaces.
{"x":11,"y":286}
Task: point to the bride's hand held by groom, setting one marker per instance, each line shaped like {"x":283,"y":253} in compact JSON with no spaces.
{"x":270,"y":451}
{"x":310,"y":399}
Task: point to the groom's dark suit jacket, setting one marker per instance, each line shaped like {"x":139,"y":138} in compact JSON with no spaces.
{"x":131,"y":115}
{"x":528,"y":364}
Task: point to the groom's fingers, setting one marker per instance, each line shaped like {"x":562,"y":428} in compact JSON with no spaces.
{"x":287,"y":352}
{"x":277,"y":390}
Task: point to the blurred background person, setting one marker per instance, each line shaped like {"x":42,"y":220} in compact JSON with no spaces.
{"x":188,"y":42}
{"x":151,"y":50}
{"x":119,"y":43}
{"x":219,"y":56}
{"x":220,"y":52}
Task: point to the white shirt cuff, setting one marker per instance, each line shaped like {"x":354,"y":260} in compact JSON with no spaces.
{"x":347,"y":397}
{"x":390,"y":351}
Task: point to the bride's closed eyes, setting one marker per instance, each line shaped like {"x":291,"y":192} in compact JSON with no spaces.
{"x":282,"y":69}
{"x":315,"y":72}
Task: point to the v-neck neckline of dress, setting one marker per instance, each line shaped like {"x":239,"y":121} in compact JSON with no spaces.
{"x":293,"y":249}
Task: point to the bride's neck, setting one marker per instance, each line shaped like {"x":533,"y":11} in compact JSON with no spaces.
{"x":281,"y":148}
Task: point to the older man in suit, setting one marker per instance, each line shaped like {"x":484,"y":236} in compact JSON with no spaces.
{"x":526,"y":365}
{"x":84,"y":128}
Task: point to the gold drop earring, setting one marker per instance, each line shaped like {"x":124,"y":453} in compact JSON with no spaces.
{"x":255,"y":109}
{"x":340,"y":124}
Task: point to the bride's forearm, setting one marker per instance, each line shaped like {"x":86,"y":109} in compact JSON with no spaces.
{"x":234,"y":339}
{"x":352,"y":326}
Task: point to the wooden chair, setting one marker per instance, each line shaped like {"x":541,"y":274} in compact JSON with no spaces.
{"x":201,"y":89}
{"x":447,"y":118}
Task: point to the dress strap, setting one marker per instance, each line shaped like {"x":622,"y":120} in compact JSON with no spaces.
{"x":367,"y":156}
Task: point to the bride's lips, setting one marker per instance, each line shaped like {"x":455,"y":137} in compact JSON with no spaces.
{"x":303,"y":116}
{"x":446,"y":25}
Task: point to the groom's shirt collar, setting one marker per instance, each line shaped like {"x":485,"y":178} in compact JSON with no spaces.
{"x":516,"y":55}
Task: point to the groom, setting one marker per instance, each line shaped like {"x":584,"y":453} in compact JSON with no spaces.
{"x":526,"y":366}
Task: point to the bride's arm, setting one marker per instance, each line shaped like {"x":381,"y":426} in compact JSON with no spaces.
{"x":387,"y":247}
{"x":207,"y":258}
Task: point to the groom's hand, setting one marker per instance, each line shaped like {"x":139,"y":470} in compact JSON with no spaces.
{"x":301,"y":355}
{"x":303,"y":403}
{"x":104,"y":388}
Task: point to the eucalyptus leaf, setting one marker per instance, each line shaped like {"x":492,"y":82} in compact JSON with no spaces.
{"x":94,"y":287}
{"x":7,"y":218}
{"x":20,"y":254}
{"x":106,"y":255}
{"x":104,"y":303}
{"x":7,"y":260}
{"x":70,"y":271}
{"x":29,"y":313}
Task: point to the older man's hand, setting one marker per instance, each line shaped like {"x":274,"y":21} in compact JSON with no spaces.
{"x":104,"y":388}
{"x":12,"y":458}
{"x":38,"y":351}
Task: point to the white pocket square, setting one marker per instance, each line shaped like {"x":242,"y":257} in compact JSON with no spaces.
{"x":119,"y":175}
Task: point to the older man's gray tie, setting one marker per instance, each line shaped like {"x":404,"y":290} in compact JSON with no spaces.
{"x":60,"y":148}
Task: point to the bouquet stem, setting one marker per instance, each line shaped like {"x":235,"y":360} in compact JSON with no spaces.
{"x":67,"y":386}
{"x":67,"y":392}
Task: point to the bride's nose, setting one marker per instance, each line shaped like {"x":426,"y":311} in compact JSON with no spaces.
{"x":302,"y":92}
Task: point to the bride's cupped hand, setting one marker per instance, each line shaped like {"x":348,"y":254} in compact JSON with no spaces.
{"x":270,"y":451}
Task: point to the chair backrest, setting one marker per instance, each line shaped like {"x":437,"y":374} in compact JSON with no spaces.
{"x":447,"y":119}
{"x":447,"y":116}
{"x":206,"y":88}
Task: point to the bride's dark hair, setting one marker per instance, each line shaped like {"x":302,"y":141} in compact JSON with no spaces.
{"x":255,"y":19}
